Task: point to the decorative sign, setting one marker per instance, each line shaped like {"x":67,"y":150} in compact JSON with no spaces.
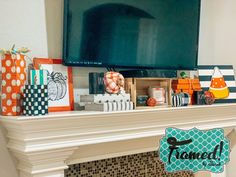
{"x":220,"y":80}
{"x":194,"y":150}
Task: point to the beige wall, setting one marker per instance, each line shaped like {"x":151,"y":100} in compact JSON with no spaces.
{"x":25,"y":23}
{"x":218,"y":32}
{"x":54,"y":16}
{"x":30,"y":26}
{"x":22,"y":23}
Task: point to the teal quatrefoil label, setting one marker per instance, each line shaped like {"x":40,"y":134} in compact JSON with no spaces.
{"x":194,"y":150}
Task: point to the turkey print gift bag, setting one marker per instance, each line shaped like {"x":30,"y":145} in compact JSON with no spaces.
{"x":60,"y":86}
{"x":13,"y":81}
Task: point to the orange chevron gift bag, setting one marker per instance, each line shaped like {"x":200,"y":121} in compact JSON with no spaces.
{"x":13,"y":81}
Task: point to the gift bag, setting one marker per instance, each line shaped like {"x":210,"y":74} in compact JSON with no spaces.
{"x":36,"y":94}
{"x":13,"y":81}
{"x":35,"y":100}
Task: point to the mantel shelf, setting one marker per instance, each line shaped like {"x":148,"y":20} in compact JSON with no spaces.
{"x":81,"y":114}
{"x":46,"y":145}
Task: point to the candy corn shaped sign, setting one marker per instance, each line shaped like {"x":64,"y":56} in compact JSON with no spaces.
{"x":218,"y":86}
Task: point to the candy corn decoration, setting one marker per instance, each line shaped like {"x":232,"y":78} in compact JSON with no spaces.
{"x":218,"y":86}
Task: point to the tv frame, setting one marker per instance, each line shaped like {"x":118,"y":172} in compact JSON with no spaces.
{"x":65,"y":33}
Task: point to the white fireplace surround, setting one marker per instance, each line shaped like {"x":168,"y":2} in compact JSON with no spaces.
{"x":44,"y":146}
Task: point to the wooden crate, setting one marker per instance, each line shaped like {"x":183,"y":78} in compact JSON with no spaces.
{"x":139,"y":86}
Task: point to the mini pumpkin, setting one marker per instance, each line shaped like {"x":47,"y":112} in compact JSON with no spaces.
{"x":114,"y":82}
{"x":209,"y":97}
{"x":151,"y":102}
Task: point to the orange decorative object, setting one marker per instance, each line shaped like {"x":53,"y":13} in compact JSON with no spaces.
{"x":209,"y":97}
{"x":13,"y":81}
{"x":114,"y":82}
{"x":186,"y":86}
{"x":151,"y":102}
{"x":218,"y":85}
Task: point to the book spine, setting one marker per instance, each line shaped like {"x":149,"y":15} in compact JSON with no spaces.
{"x":103,"y":98}
{"x":110,"y":106}
{"x":86,"y":98}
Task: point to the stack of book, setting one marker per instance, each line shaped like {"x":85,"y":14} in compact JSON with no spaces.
{"x":107,"y":102}
{"x":186,"y":86}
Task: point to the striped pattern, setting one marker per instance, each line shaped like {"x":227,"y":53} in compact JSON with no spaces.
{"x":181,"y":99}
{"x":205,"y":74}
{"x":38,"y":77}
{"x":176,"y":100}
{"x":186,"y":99}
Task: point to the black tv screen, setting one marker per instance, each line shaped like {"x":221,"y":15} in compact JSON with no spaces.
{"x":131,"y":33}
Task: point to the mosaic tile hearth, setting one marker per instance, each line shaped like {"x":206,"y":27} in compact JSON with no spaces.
{"x":138,"y":165}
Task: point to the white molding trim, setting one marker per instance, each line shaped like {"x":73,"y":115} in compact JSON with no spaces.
{"x":45,"y":145}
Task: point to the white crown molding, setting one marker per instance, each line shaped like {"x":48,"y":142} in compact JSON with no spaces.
{"x":46,"y":145}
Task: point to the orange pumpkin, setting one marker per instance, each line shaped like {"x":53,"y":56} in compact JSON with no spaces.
{"x":151,"y":102}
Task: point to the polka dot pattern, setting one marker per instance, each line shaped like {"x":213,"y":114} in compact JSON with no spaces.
{"x":34,"y":103}
{"x":3,"y":69}
{"x":8,"y":63}
{"x":13,"y":81}
{"x":4,"y":96}
{"x":14,"y":109}
{"x":8,"y":76}
{"x":9,"y":102}
{"x":4,"y":83}
{"x":13,"y":96}
{"x":218,"y":83}
{"x":13,"y":70}
{"x":9,"y":89}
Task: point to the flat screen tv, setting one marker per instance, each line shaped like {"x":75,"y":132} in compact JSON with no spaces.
{"x":131,"y":33}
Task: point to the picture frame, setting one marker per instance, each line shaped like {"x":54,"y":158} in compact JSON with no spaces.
{"x":60,"y":84}
{"x":226,"y":74}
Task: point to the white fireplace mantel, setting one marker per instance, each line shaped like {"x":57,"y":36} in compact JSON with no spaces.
{"x":45,"y":145}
